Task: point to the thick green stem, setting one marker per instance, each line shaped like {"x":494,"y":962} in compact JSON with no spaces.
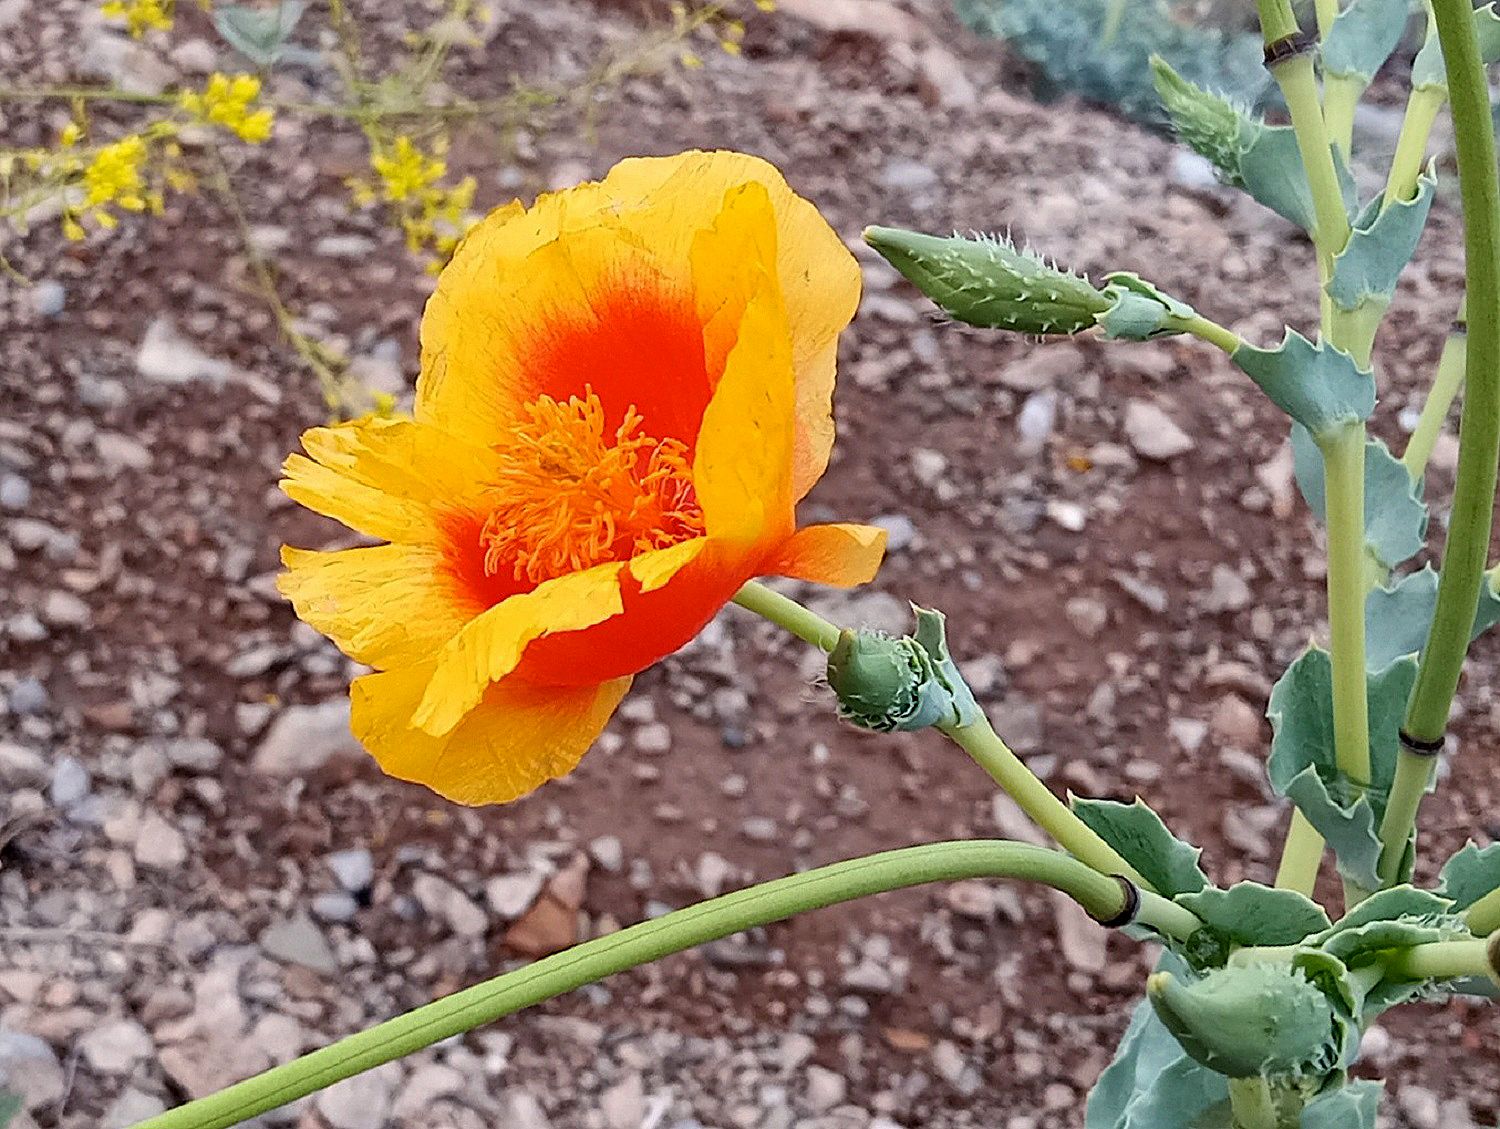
{"x":1483,"y":917}
{"x":1299,"y":87}
{"x":784,"y":612}
{"x":1301,"y":857}
{"x":1277,"y":21}
{"x":1445,"y":385}
{"x":1413,"y":776}
{"x":1465,"y":552}
{"x":1253,"y":1106}
{"x":1341,"y":95}
{"x":1103,"y":897}
{"x":1325,"y":12}
{"x":1422,"y":108}
{"x":1080,"y":840}
{"x":1443,"y":960}
{"x":1344,"y":475}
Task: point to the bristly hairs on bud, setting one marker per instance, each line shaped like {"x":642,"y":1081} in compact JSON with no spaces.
{"x":986,"y":281}
{"x":1210,"y":124}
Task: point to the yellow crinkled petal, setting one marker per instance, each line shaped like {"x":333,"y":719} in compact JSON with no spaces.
{"x":742,"y":470}
{"x":490,"y":646}
{"x":516,"y":739}
{"x":654,"y":569}
{"x":842,"y":555}
{"x":385,"y":605}
{"x":385,"y":477}
{"x":820,"y":280}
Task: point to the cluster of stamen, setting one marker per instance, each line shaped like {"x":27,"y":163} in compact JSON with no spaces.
{"x":569,"y":495}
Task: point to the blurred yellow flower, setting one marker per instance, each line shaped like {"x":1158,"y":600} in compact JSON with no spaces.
{"x":404,"y":170}
{"x":114,"y":176}
{"x":228,"y":101}
{"x":140,"y":16}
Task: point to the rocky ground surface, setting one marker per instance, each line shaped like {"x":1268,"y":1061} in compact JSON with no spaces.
{"x":201,"y":875}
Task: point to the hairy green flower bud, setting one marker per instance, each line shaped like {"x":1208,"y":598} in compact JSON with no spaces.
{"x":985,"y":281}
{"x":883,"y":683}
{"x":1242,"y":1022}
{"x":1208,"y":123}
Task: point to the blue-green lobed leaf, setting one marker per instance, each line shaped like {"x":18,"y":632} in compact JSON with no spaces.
{"x":1363,"y":36}
{"x":1319,"y":386}
{"x":1251,"y":914}
{"x":1303,"y":765}
{"x":1427,"y":68}
{"x":1382,"y":242}
{"x":259,"y":34}
{"x":1144,"y":841}
{"x":1470,"y":874}
{"x":1397,"y":618}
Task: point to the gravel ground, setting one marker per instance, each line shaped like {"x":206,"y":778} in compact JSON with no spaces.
{"x":201,"y":875}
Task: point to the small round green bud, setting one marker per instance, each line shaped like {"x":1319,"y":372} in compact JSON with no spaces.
{"x":877,"y":678}
{"x":985,"y":281}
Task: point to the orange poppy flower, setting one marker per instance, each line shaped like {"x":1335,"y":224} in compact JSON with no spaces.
{"x":625,"y":390}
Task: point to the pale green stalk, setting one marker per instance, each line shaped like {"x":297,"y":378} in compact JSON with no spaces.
{"x":787,"y":613}
{"x":1211,"y":332}
{"x":1442,"y":960}
{"x":1102,"y":896}
{"x":1464,"y":553}
{"x":1445,"y":385}
{"x":1038,"y":801}
{"x":1483,"y":917}
{"x":1341,"y":95}
{"x":1344,"y":476}
{"x":1301,"y":857}
{"x":1422,"y":108}
{"x":1325,"y":12}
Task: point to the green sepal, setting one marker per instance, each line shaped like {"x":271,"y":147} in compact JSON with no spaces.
{"x":1251,"y":914}
{"x":987,"y":282}
{"x":886,"y":684}
{"x":1255,"y":1020}
{"x":10,"y":1105}
{"x":1470,"y":874}
{"x":1395,"y":515}
{"x":1271,"y":170}
{"x":1304,"y":767}
{"x":1382,"y":241}
{"x":1210,"y":124}
{"x":1362,"y":38}
{"x":1398,"y":618}
{"x":1331,"y":976}
{"x":1427,"y":68}
{"x":1139,"y":311}
{"x":1319,"y":386}
{"x":1350,"y":1106}
{"x":1394,"y":918}
{"x":1152,"y":1083}
{"x":1143,"y":840}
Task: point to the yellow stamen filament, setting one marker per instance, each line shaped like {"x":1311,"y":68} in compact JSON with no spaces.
{"x":569,"y":496}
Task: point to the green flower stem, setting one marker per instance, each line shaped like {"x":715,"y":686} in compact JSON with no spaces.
{"x":1325,"y":11}
{"x":1341,"y":95}
{"x":1212,"y":332}
{"x":1299,"y":87}
{"x":1465,"y":552}
{"x":787,"y":613}
{"x":1445,"y":385}
{"x":1344,"y":471}
{"x":1483,"y":917}
{"x":1301,"y":857}
{"x":1443,"y":960}
{"x":1103,"y":897}
{"x":1276,"y":19}
{"x":1253,"y":1106}
{"x":1038,"y":801}
{"x":1413,"y":775}
{"x":1422,"y":108}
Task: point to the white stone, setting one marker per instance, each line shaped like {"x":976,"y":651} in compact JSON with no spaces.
{"x":510,"y":895}
{"x":165,"y":355}
{"x":303,"y":739}
{"x":444,"y":900}
{"x":360,"y":1102}
{"x":158,"y":844}
{"x":1153,"y":434}
{"x":116,"y":1046}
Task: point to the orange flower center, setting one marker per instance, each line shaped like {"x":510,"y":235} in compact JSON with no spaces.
{"x":570,"y":496}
